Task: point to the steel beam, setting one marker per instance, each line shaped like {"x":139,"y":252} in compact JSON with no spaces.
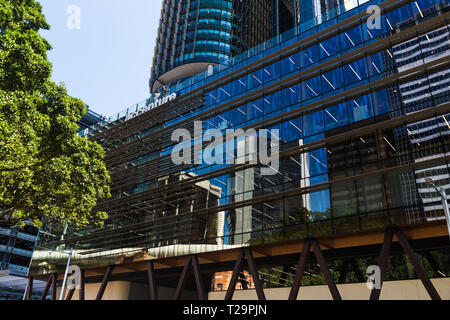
{"x":183,"y":279}
{"x":82,"y":291}
{"x":198,"y":279}
{"x":47,"y":287}
{"x":383,"y":262}
{"x":254,"y":274}
{"x":325,"y":270}
{"x":54,"y":287}
{"x":434,"y":295}
{"x":191,"y":261}
{"x":235,"y":276}
{"x":70,"y":294}
{"x":300,"y":270}
{"x":29,"y":288}
{"x":104,"y":283}
{"x":151,"y":281}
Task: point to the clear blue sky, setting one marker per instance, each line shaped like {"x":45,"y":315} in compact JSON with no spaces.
{"x":107,"y":62}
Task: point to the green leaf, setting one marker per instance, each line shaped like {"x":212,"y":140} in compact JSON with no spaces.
{"x":47,"y":172}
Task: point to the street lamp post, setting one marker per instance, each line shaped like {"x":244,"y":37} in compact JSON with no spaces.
{"x":443,"y":195}
{"x":61,"y":296}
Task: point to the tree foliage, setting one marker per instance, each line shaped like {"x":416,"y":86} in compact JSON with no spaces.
{"x":47,"y":172}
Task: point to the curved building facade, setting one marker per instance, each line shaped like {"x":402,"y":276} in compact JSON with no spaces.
{"x":196,"y":34}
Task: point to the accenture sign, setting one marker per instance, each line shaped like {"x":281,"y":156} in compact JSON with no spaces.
{"x":158,"y":101}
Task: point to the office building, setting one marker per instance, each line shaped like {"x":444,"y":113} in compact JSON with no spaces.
{"x":361,"y":118}
{"x":196,"y":35}
{"x":89,"y":119}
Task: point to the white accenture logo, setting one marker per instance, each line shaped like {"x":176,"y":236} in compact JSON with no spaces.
{"x":156,"y":103}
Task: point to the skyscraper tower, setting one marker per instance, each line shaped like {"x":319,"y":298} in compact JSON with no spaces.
{"x":196,"y":34}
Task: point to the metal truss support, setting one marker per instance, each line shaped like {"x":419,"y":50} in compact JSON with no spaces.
{"x":382,"y":262}
{"x":325,"y":270}
{"x":70,"y":294}
{"x":235,"y":276}
{"x":408,"y":250}
{"x":54,"y":287}
{"x":247,"y":253}
{"x":312,"y":243}
{"x":151,"y":281}
{"x":105,"y":281}
{"x":29,"y":293}
{"x":300,"y":271}
{"x":406,"y":246}
{"x":47,"y":287}
{"x":82,"y":291}
{"x":191,"y":261}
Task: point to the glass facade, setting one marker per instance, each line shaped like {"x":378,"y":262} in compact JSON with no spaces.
{"x":89,"y":119}
{"x":362,"y":116}
{"x":195,"y":35}
{"x":16,"y":250}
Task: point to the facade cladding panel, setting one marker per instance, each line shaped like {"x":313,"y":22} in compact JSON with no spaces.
{"x":363,"y":119}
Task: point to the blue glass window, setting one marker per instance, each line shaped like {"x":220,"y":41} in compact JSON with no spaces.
{"x":290,"y":64}
{"x":320,"y":205}
{"x":309,"y":56}
{"x":329,"y":47}
{"x":271,"y":72}
{"x":255,"y":79}
{"x":370,"y":32}
{"x":239,"y":86}
{"x":224,"y":92}
{"x":292,"y":130}
{"x":419,"y":6}
{"x":272,"y":102}
{"x":317,"y":162}
{"x":398,"y":15}
{"x":355,"y":71}
{"x":313,"y":124}
{"x":291,"y":95}
{"x":332,"y":80}
{"x":223,"y":120}
{"x":238,"y":115}
{"x":255,"y":109}
{"x":212,"y":97}
{"x":351,"y":38}
{"x":375,"y":63}
{"x":360,"y":108}
{"x":336,"y":116}
{"x":380,"y":102}
{"x":311,"y":88}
